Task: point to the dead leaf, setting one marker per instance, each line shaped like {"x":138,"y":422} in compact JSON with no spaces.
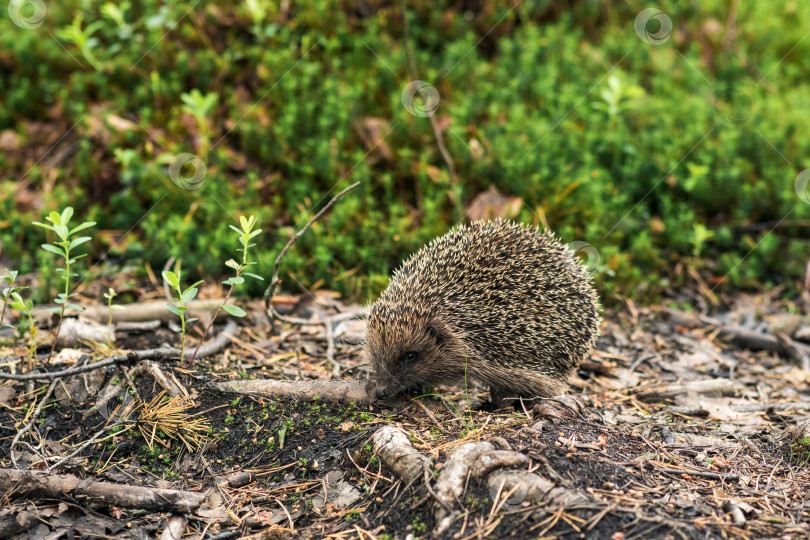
{"x":493,"y":204}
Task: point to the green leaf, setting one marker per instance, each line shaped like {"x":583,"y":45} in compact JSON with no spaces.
{"x":53,"y":310}
{"x":235,"y":229}
{"x":53,"y":249}
{"x":237,"y":280}
{"x":174,"y":310}
{"x":191,"y":319}
{"x":67,"y":213}
{"x":79,"y":241}
{"x":236,"y":311}
{"x":171,"y":278}
{"x":116,"y":307}
{"x":61,"y":232}
{"x":43,"y":225}
{"x":76,"y":307}
{"x":189,"y":294}
{"x":255,"y":276}
{"x":83,"y":226}
{"x":230,"y":263}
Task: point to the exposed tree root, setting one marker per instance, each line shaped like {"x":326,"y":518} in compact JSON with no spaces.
{"x":470,"y":461}
{"x":397,"y":452}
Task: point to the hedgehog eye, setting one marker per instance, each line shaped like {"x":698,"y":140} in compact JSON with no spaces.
{"x":409,"y":356}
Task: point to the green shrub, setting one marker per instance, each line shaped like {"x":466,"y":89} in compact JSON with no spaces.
{"x":607,"y":139}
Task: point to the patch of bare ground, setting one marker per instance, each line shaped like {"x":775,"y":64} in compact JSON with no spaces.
{"x":681,"y":427}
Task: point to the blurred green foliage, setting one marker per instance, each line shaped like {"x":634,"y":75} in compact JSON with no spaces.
{"x":680,"y":152}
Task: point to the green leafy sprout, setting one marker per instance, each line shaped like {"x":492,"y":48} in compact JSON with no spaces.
{"x":246,"y":234}
{"x":83,"y":39}
{"x":8,"y":292}
{"x":63,"y":248}
{"x":26,"y":307}
{"x":109,"y":295}
{"x":182,"y":299}
{"x":200,"y":107}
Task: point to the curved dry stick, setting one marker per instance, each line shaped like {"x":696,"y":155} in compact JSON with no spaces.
{"x":274,"y":281}
{"x":434,"y":123}
{"x":30,"y":424}
{"x":133,"y":356}
{"x":87,"y":443}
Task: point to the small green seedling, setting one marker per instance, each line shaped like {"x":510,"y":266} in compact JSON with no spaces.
{"x":8,"y":292}
{"x":81,"y":35}
{"x":200,"y":107}
{"x":26,"y":307}
{"x":183,"y":298}
{"x":62,"y":248}
{"x":246,"y":234}
{"x":109,"y":295}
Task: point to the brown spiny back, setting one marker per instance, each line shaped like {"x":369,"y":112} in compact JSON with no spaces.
{"x":497,"y":301}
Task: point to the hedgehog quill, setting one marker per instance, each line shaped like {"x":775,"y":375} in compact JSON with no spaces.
{"x":494,"y":301}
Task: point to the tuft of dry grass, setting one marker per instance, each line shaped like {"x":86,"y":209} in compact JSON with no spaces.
{"x":167,"y":417}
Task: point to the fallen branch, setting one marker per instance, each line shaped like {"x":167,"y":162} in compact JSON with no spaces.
{"x":306,"y":390}
{"x":703,"y":474}
{"x":745,"y":408}
{"x":144,"y":326}
{"x":70,"y":487}
{"x":741,"y":336}
{"x":725,"y":387}
{"x":145,"y":312}
{"x":161,"y":353}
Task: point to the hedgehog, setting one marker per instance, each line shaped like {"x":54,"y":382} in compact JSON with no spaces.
{"x":498,"y":302}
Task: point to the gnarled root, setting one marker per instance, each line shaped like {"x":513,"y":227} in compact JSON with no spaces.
{"x":471,"y":461}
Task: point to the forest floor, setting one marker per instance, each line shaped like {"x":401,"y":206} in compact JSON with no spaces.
{"x":686,"y":431}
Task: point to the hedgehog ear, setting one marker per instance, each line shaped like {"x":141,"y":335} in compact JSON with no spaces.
{"x":437,"y":333}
